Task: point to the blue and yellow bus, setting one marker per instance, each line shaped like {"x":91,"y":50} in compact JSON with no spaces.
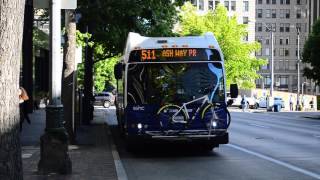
{"x":173,"y":88}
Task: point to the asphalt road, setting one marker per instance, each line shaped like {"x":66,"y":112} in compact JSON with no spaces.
{"x":283,"y":145}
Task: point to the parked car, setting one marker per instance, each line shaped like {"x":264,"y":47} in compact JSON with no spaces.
{"x":273,"y":101}
{"x":251,"y":102}
{"x":106,"y":99}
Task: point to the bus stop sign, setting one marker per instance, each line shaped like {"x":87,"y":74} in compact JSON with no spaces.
{"x":65,"y":4}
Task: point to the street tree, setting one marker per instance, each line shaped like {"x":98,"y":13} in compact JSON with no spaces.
{"x":68,"y":77}
{"x":109,"y":22}
{"x":11,"y":30}
{"x":311,"y":54}
{"x":240,"y":62}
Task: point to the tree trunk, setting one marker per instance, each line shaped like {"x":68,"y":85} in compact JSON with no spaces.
{"x":68,"y":73}
{"x":11,"y":28}
{"x":27,"y":55}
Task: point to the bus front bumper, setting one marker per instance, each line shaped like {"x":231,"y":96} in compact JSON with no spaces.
{"x":219,"y":137}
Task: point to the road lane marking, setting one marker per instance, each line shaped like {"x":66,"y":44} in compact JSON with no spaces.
{"x":281,"y":163}
{"x":121,"y":172}
{"x":258,"y":125}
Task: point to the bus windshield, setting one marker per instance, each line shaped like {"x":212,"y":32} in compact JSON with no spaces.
{"x":177,"y":83}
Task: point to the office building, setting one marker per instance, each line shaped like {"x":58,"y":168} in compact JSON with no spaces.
{"x":287,"y":19}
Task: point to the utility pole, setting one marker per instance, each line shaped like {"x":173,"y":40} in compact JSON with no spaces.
{"x":298,"y":67}
{"x":272,"y":73}
{"x":54,"y":143}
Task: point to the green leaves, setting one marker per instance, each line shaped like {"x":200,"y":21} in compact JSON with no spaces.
{"x":240,"y":64}
{"x":311,"y":54}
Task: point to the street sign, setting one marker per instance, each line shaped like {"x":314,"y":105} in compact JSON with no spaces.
{"x":65,"y":4}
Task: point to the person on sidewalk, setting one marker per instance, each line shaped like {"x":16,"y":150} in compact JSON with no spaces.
{"x":23,"y":97}
{"x":291,"y":102}
{"x":311,"y":104}
{"x":244,"y":103}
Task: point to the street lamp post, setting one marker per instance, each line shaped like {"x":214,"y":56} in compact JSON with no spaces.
{"x":272,"y":73}
{"x":271,"y":63}
{"x":298,"y":68}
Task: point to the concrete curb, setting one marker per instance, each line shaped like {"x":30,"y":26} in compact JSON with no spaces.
{"x":121,"y":173}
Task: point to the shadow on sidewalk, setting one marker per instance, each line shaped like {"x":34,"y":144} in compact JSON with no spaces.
{"x":91,"y":157}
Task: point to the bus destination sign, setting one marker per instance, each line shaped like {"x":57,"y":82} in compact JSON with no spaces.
{"x":174,"y":54}
{"x":153,"y":54}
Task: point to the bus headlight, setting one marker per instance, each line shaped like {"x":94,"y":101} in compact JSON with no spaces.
{"x":214,"y":124}
{"x":139,"y":126}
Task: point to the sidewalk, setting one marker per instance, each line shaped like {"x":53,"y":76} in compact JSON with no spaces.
{"x":91,"y":158}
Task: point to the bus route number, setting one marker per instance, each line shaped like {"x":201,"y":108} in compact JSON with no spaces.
{"x":151,"y":54}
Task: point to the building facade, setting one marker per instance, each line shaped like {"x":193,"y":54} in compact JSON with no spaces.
{"x":288,"y":19}
{"x":243,"y":9}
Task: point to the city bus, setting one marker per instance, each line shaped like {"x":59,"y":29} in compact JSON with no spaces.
{"x":173,"y":89}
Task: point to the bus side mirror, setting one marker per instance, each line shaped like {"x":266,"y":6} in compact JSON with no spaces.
{"x":118,"y":71}
{"x":234,"y":90}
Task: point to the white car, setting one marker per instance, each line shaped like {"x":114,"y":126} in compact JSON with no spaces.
{"x":251,"y":102}
{"x":263,"y":102}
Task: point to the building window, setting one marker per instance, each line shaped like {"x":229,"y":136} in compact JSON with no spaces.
{"x":268,"y":13}
{"x":267,"y":41}
{"x":226,"y":5}
{"x":282,"y":13}
{"x":287,"y":11}
{"x":286,"y":52}
{"x":259,"y":13}
{"x":267,"y":1}
{"x":274,"y":13}
{"x":281,"y":52}
{"x":216,"y":3}
{"x":281,"y":41}
{"x":259,"y":1}
{"x":267,"y":52}
{"x":298,"y":13}
{"x":201,"y":5}
{"x":287,"y":27}
{"x":259,"y":27}
{"x":298,"y":27}
{"x":245,"y":20}
{"x":246,"y":6}
{"x":233,"y":6}
{"x":284,"y":1}
{"x":210,"y":5}
{"x":287,"y":41}
{"x":274,"y":1}
{"x":281,"y":27}
{"x":298,"y":2}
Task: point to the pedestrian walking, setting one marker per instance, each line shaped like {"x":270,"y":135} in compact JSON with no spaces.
{"x":23,"y":97}
{"x":311,"y":104}
{"x":291,"y":102}
{"x":243,"y":103}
